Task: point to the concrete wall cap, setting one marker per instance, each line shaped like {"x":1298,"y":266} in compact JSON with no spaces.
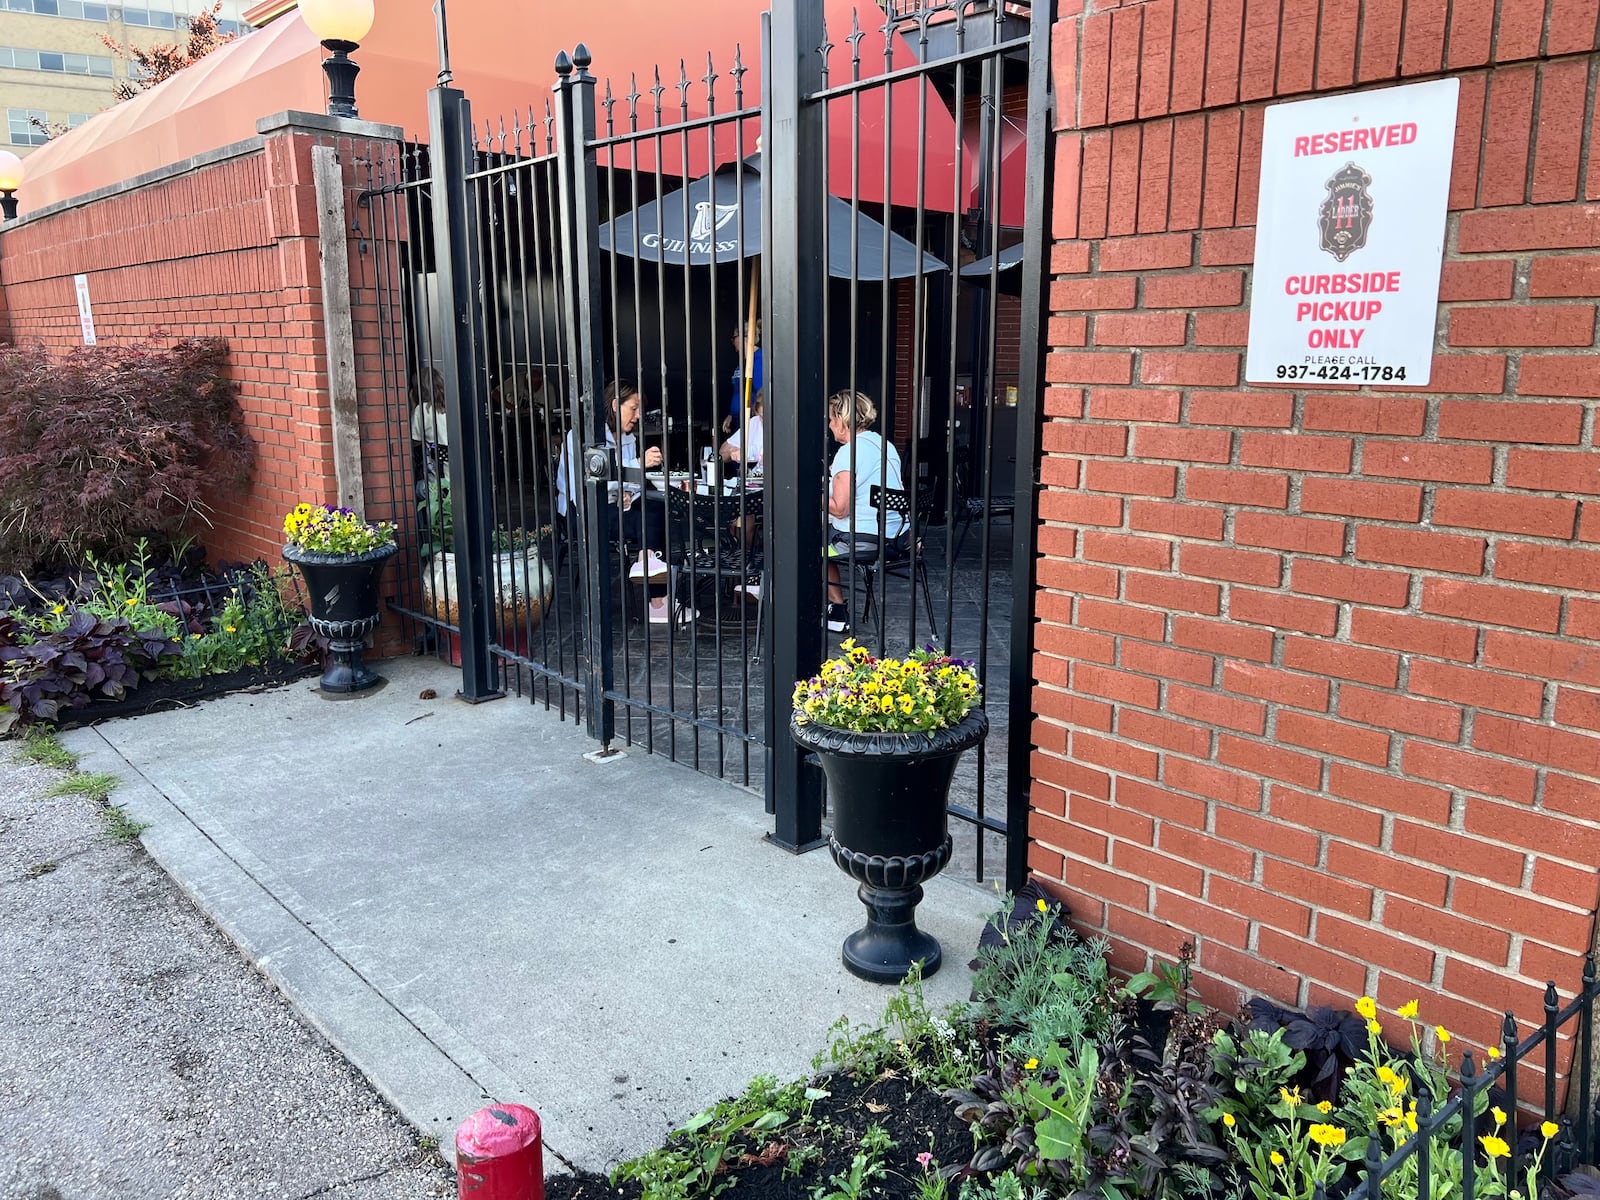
{"x":322,"y":123}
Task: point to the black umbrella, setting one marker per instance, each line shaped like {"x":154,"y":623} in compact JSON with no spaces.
{"x":700,"y":225}
{"x":1004,"y":264}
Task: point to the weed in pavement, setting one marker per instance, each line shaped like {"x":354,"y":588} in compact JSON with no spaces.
{"x":42,"y":747}
{"x":96,"y":785}
{"x":120,"y":825}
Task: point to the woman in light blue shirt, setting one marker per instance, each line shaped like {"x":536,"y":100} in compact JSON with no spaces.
{"x":864,"y":460}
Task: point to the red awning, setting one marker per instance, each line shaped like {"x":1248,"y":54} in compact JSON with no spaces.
{"x":1007,"y":193}
{"x":502,"y":57}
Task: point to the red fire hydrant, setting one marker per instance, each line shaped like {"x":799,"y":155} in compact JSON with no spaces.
{"x":500,"y":1154}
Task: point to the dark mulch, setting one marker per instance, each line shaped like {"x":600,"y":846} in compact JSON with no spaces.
{"x":160,"y":695}
{"x":915,"y":1117}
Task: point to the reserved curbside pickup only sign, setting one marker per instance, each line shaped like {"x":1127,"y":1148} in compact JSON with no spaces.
{"x":1350,"y":236}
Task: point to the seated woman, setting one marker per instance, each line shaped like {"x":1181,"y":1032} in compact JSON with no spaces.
{"x":430,"y":434}
{"x":628,"y":515}
{"x":863,"y":460}
{"x":747,"y":444}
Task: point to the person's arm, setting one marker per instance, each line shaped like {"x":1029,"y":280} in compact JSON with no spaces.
{"x":730,"y":449}
{"x":839,"y":495}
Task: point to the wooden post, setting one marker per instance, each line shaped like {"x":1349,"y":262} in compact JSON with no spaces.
{"x":337,"y":330}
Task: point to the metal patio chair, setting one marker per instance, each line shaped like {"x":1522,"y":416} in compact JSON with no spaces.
{"x":901,"y":561}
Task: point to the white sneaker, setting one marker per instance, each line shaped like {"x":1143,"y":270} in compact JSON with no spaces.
{"x":666,"y":612}
{"x":651,"y":565}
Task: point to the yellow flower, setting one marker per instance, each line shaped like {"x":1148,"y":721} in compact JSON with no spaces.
{"x":1326,"y":1135}
{"x":1499,"y":1115}
{"x":1493,"y":1052}
{"x":1411,"y":1117}
{"x":1494,"y":1147}
{"x":1392,"y":1117}
{"x":1276,"y":1158}
{"x":59,"y":609}
{"x":1385,"y":1074}
{"x":1031,"y":1065}
{"x":130,"y":602}
{"x":1375,"y":1029}
{"x":230,"y":629}
{"x":1291,"y":1097}
{"x":1397,"y":1085}
{"x":1227,"y":1119}
{"x":1407,"y":1011}
{"x":1549,"y":1129}
{"x":1325,"y":1107}
{"x":1367,"y":1007}
{"x":1443,"y":1034}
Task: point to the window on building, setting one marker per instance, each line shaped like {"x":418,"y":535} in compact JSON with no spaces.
{"x":49,"y":60}
{"x":78,"y":10}
{"x":21,"y":128}
{"x":76,"y":119}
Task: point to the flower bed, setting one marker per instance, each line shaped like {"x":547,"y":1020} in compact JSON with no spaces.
{"x":121,"y":638}
{"x":1060,"y":1081}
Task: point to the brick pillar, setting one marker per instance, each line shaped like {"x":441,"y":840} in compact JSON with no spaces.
{"x":1318,"y":679}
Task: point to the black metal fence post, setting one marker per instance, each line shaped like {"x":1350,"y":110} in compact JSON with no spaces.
{"x":456,"y":243}
{"x":580,"y":251}
{"x":1030,"y":382}
{"x":1585,"y":1102}
{"x":793,"y":217}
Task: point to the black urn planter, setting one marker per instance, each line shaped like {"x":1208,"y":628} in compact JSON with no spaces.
{"x":344,"y":609}
{"x":888,"y":793}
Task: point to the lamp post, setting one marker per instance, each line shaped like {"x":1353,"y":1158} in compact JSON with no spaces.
{"x":340,"y":24}
{"x":11,"y":173}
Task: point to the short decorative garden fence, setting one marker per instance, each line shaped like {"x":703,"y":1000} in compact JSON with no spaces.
{"x":200,"y":599}
{"x":1561,"y":1150}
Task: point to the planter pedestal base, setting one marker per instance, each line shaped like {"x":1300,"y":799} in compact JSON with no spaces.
{"x":346,"y":673}
{"x":890,"y":944}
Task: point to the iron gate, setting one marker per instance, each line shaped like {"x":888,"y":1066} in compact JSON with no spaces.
{"x":585,"y":300}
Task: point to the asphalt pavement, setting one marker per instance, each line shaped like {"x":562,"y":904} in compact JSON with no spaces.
{"x":142,"y":1056}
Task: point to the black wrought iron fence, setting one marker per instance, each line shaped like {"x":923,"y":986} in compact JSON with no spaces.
{"x":572,"y":308}
{"x":1450,"y":1150}
{"x":198,"y":604}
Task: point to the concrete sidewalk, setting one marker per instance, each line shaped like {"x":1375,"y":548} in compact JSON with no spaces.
{"x":471,"y":911}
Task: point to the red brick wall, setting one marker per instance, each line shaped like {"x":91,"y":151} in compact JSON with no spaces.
{"x":228,"y":249}
{"x":1318,"y":672}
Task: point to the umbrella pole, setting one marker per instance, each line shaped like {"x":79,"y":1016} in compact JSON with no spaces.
{"x":749,"y":349}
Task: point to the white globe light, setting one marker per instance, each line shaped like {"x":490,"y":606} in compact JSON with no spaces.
{"x":338,"y":20}
{"x":11,"y":171}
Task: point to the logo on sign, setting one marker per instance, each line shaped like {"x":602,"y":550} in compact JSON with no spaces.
{"x":705,"y":224}
{"x":1346,"y":215}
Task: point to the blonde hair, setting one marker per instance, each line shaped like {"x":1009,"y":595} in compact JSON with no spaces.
{"x":855,"y":407}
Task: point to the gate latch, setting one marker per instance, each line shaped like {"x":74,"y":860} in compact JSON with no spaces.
{"x":597,"y":462}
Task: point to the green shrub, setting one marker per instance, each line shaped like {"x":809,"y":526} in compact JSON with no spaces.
{"x":1042,"y":983}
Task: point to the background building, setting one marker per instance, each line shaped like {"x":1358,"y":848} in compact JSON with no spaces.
{"x":56,"y":71}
